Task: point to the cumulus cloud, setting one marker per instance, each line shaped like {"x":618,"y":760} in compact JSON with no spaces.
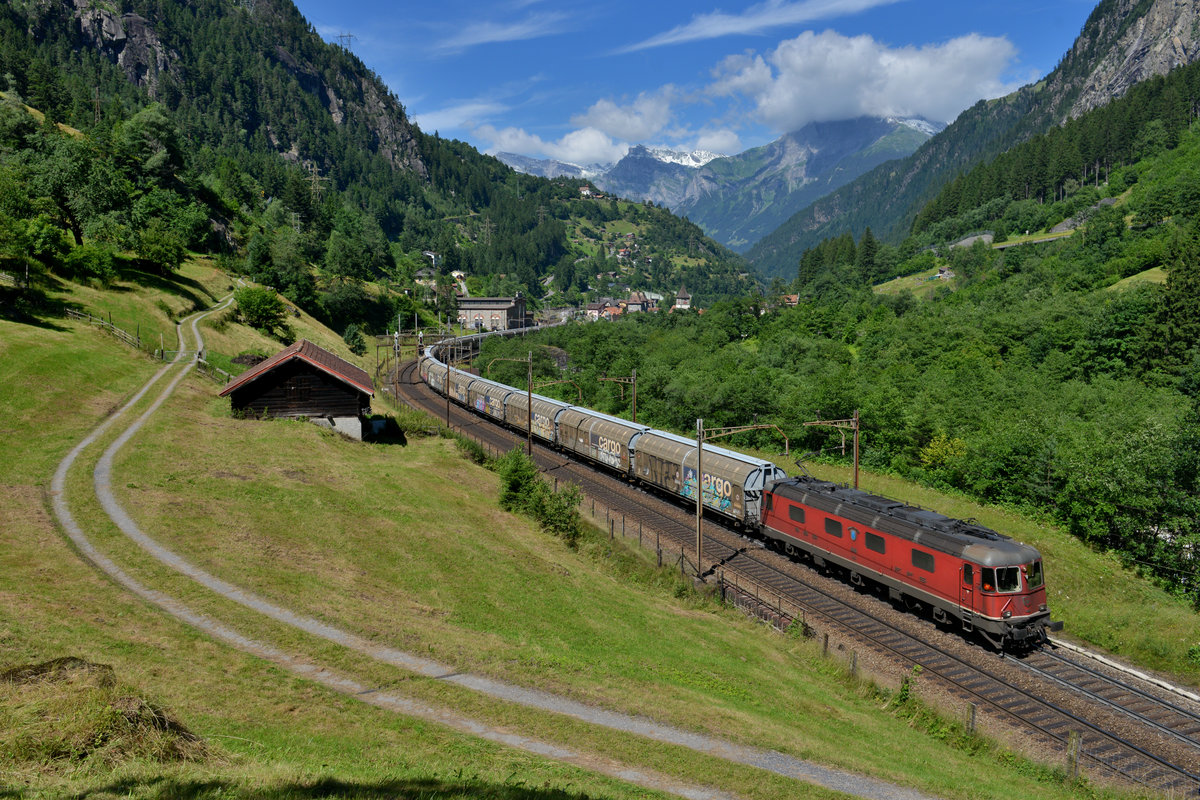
{"x":828,"y":76}
{"x":583,"y":146}
{"x":756,"y":19}
{"x":722,"y":141}
{"x":637,"y":121}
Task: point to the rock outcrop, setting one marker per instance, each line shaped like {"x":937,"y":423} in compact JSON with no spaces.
{"x":349,"y":95}
{"x":1154,"y":44}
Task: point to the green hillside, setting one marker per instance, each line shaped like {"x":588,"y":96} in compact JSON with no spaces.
{"x":1039,"y":375}
{"x":887,"y":198}
{"x":256,"y":142}
{"x":358,"y":536}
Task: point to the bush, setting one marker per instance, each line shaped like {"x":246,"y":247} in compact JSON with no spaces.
{"x":91,"y":261}
{"x":160,"y":246}
{"x":260,"y":308}
{"x":523,"y":490}
{"x":353,"y":338}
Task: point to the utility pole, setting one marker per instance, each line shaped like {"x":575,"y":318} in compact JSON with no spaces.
{"x":315,"y":179}
{"x":699,"y":493}
{"x":714,"y":433}
{"x":528,"y":397}
{"x":843,"y":425}
{"x":529,"y":408}
{"x":623,"y":380}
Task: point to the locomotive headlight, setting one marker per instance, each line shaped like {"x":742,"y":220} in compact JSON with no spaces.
{"x":1007,"y":614}
{"x":1042,"y":607}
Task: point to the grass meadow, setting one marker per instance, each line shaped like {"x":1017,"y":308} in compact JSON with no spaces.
{"x":404,"y":545}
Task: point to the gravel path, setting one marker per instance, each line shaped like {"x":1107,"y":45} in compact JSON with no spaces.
{"x":771,"y":761}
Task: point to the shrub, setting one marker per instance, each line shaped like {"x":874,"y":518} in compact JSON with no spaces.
{"x":160,"y":246}
{"x":260,"y":308}
{"x":353,"y":338}
{"x":91,"y":261}
{"x":523,"y":490}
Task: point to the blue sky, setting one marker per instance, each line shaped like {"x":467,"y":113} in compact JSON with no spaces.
{"x":581,"y":81}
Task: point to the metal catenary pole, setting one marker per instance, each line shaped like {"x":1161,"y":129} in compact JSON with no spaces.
{"x":529,"y":403}
{"x":699,"y":490}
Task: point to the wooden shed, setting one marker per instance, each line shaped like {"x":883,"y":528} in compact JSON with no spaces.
{"x":304,"y":380}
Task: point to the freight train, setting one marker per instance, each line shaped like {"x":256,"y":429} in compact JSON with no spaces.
{"x":960,"y":572}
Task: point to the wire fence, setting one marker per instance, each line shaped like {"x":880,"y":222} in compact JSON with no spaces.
{"x":133,"y":340}
{"x":216,"y":373}
{"x":752,"y":597}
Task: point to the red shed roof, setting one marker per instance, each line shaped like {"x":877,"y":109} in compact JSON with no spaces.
{"x":318,"y":357}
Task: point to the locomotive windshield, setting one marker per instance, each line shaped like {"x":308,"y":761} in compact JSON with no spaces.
{"x":1033,"y":575}
{"x":1002,"y":579}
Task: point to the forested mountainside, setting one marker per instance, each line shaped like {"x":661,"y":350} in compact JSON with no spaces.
{"x":1066,"y":178}
{"x":1061,"y":377}
{"x":1122,"y":42}
{"x":232,"y":128}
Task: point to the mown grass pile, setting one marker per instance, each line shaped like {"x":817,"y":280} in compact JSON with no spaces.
{"x":71,"y":710}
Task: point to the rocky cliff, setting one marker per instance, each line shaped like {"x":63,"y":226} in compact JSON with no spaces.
{"x":1163,"y":38}
{"x":161,"y":57}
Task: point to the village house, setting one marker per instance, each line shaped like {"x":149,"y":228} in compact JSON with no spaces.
{"x":637,"y":302}
{"x":304,"y":381}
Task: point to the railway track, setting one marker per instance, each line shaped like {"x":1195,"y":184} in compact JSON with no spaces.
{"x":1134,"y":735}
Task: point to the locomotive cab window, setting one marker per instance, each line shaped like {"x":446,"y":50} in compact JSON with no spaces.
{"x":968,"y":575}
{"x":1033,"y":575}
{"x":922,"y":560}
{"x":796,"y":514}
{"x":833,"y":527}
{"x":875,"y":543}
{"x":1004,"y":580}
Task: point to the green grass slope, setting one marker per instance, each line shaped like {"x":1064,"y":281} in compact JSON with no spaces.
{"x":405,"y":546}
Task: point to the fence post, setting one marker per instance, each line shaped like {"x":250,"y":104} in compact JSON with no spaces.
{"x":622,"y":526}
{"x":853,"y":662}
{"x":610,"y":529}
{"x":971,"y":709}
{"x":1073,"y":755}
{"x":825,"y":644}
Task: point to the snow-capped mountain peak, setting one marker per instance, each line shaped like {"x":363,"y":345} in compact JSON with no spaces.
{"x":694,"y":158}
{"x":919,"y":124}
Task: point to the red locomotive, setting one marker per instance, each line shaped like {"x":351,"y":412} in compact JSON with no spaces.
{"x":964,"y":573}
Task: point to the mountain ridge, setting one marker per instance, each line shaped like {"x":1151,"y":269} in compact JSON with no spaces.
{"x":1121,"y":40}
{"x":739,"y":198}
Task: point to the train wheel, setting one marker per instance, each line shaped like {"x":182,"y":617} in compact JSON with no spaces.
{"x":789,"y":549}
{"x":912,"y":604}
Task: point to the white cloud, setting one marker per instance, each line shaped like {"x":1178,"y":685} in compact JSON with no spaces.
{"x":637,"y":121}
{"x":466,"y":115}
{"x":756,"y":19}
{"x":583,"y":146}
{"x":487,"y":32}
{"x":828,"y":76}
{"x":722,"y":141}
